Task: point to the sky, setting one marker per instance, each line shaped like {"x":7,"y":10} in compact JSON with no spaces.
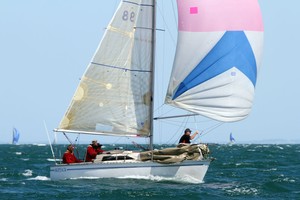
{"x":45,"y":47}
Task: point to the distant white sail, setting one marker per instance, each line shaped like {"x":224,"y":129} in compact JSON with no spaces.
{"x":217,"y":59}
{"x":55,"y":138}
{"x":114,"y":94}
{"x":16,"y":136}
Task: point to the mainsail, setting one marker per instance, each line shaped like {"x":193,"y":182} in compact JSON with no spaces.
{"x":114,"y":94}
{"x":16,"y":136}
{"x":218,"y":54}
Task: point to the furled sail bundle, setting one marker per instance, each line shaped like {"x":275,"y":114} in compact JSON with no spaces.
{"x":218,"y":54}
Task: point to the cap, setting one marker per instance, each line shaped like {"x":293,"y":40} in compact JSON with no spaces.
{"x":187,"y":130}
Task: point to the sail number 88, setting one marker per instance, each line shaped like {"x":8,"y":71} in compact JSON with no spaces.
{"x":128,"y":16}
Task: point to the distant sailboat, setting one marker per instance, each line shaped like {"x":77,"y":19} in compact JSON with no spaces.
{"x":55,"y":138}
{"x":16,"y":136}
{"x":231,"y":139}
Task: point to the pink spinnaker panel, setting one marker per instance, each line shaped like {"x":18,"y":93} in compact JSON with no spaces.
{"x":219,"y":15}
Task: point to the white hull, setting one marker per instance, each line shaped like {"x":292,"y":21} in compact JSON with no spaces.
{"x":195,"y":170}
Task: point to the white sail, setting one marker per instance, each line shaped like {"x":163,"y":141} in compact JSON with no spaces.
{"x":114,"y":94}
{"x":16,"y":136}
{"x":218,"y":55}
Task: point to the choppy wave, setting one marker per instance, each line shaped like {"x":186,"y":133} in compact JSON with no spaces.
{"x":186,"y":179}
{"x":27,"y":172}
{"x":239,"y":172}
{"x":54,"y":160}
{"x":40,"y":178}
{"x":242,"y":190}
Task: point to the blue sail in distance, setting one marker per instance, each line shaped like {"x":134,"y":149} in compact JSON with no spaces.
{"x":16,"y":136}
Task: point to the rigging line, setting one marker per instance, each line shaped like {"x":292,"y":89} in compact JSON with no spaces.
{"x":121,"y":68}
{"x":118,"y":140}
{"x":162,"y":82}
{"x":158,"y":109}
{"x":174,"y":120}
{"x":73,"y":144}
{"x":138,"y":4}
{"x":177,"y":116}
{"x":53,"y":155}
{"x":77,"y":138}
{"x":167,"y":111}
{"x":196,"y":124}
{"x":213,"y":127}
{"x":174,"y":13}
{"x":68,"y":138}
{"x":172,"y":123}
{"x":139,"y":146}
{"x":184,"y":122}
{"x":169,"y":30}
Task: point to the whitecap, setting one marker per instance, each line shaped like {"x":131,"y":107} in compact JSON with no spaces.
{"x":266,"y":146}
{"x":243,"y":191}
{"x":279,"y":147}
{"x":82,"y":177}
{"x":284,"y":179}
{"x":25,"y":159}
{"x":40,"y":178}
{"x":185,"y":179}
{"x":27,"y":172}
{"x":220,"y":185}
{"x":272,"y":169}
{"x":40,"y":145}
{"x":289,"y":180}
{"x":3,"y":179}
{"x":18,"y":153}
{"x":181,"y":179}
{"x":53,"y":160}
{"x":258,"y":146}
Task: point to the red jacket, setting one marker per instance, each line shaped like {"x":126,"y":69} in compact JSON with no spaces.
{"x":91,"y":153}
{"x":70,"y":158}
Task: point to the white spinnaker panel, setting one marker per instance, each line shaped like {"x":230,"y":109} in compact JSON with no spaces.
{"x":227,"y":97}
{"x":113,"y":96}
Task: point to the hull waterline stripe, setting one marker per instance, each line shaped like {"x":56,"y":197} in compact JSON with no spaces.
{"x":93,"y":168}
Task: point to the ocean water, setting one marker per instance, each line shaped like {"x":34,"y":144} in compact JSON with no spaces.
{"x":239,"y":172}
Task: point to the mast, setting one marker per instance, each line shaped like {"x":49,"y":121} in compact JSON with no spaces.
{"x":153,"y":74}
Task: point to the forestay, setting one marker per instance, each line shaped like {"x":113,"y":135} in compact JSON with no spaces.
{"x":217,"y":58}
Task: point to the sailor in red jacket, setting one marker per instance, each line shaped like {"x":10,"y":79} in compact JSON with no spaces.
{"x":69,"y":156}
{"x":92,"y":151}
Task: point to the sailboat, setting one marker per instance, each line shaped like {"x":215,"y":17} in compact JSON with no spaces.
{"x":214,"y":74}
{"x":231,"y":139}
{"x":16,"y":136}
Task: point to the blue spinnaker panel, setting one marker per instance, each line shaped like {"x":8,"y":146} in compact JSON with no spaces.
{"x":233,"y":50}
